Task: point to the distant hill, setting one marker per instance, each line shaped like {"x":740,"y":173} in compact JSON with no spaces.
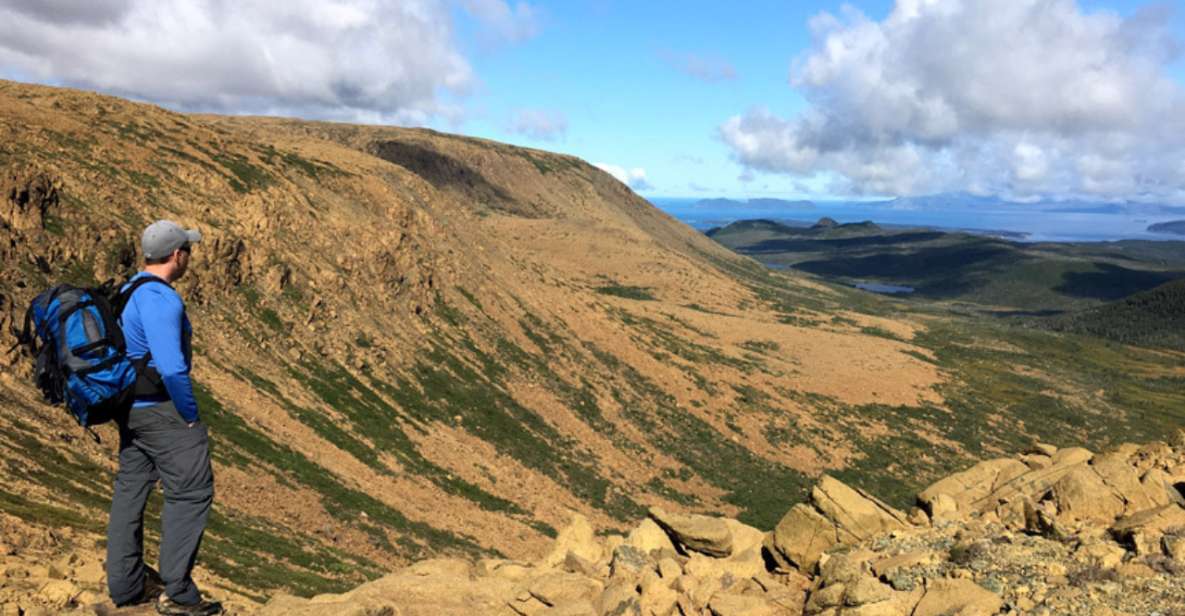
{"x":1149,"y":318}
{"x":1001,"y":276}
{"x":1174,"y":226}
{"x":745,"y":231}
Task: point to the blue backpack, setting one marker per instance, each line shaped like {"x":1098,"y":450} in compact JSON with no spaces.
{"x":82,"y":359}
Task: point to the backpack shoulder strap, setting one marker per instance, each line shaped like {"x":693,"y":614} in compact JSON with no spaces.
{"x":26,"y":337}
{"x":124,"y":296}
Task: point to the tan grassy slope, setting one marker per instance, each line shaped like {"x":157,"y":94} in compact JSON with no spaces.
{"x":412,"y":344}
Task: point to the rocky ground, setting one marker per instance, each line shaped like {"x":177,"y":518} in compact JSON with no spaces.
{"x":1048,"y":532}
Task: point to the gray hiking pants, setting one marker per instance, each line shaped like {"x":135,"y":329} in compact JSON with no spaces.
{"x":155,"y":443}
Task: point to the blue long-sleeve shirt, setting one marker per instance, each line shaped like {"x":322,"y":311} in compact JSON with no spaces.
{"x":155,"y":321}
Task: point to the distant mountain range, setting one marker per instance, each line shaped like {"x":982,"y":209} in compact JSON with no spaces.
{"x":947,"y":200}
{"x":1176,"y":226}
{"x":962,"y":200}
{"x":770,"y":204}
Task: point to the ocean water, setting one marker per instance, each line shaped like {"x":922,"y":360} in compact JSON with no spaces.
{"x":1019,"y":222}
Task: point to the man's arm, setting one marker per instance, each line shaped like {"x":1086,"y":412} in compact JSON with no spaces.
{"x":162,"y":316}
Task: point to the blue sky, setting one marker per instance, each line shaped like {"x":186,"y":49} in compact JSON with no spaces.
{"x":1022,"y":99}
{"x":611,"y":70}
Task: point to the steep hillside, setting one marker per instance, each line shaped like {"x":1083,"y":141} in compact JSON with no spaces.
{"x":412,"y":344}
{"x":1152,"y":318}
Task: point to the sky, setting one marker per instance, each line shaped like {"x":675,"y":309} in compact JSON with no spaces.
{"x":1024,"y":100}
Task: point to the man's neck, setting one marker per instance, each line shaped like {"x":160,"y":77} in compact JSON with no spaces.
{"x":164,"y":272}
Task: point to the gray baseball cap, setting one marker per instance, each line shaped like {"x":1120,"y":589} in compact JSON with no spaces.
{"x":162,"y":237}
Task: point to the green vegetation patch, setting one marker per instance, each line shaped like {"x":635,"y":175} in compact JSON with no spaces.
{"x":628,"y":292}
{"x":415,"y":539}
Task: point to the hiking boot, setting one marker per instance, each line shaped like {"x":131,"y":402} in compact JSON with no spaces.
{"x":165,"y":605}
{"x":153,"y":587}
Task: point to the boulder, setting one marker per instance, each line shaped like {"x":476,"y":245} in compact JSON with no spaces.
{"x":845,"y":568}
{"x":1071,"y":456}
{"x":1159,"y":487}
{"x":441,"y":588}
{"x":967,"y":487}
{"x":739,"y":566}
{"x":577,"y":538}
{"x":648,"y":537}
{"x":836,"y":515}
{"x":802,"y":535}
{"x":1143,"y":531}
{"x":866,"y":590}
{"x":825,"y":598}
{"x":1032,"y":484}
{"x":698,"y":533}
{"x":1043,"y":449}
{"x":1101,"y":554}
{"x":560,"y":588}
{"x":743,"y":535}
{"x":856,"y":514}
{"x":659,"y":600}
{"x":728,"y":604}
{"x":669,"y":569}
{"x":1081,"y":495}
{"x":629,"y":562}
{"x":620,"y":598}
{"x":1124,"y":480}
{"x":957,"y":596}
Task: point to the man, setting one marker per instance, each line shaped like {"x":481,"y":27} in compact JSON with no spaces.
{"x":161,"y":437}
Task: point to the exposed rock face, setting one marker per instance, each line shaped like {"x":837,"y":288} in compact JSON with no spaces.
{"x":26,"y":196}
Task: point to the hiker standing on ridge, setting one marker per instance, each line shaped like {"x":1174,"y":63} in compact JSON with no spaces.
{"x":160,"y":437}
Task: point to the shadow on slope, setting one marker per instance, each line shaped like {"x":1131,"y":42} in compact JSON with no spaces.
{"x":1113,"y":282}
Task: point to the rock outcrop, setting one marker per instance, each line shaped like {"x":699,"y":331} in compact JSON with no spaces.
{"x":1095,"y":534}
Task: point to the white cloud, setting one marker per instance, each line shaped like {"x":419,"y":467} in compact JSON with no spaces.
{"x":369,"y":60}
{"x":539,"y":124}
{"x":511,"y":23}
{"x":702,"y":67}
{"x":635,"y":178}
{"x":1022,"y":98}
